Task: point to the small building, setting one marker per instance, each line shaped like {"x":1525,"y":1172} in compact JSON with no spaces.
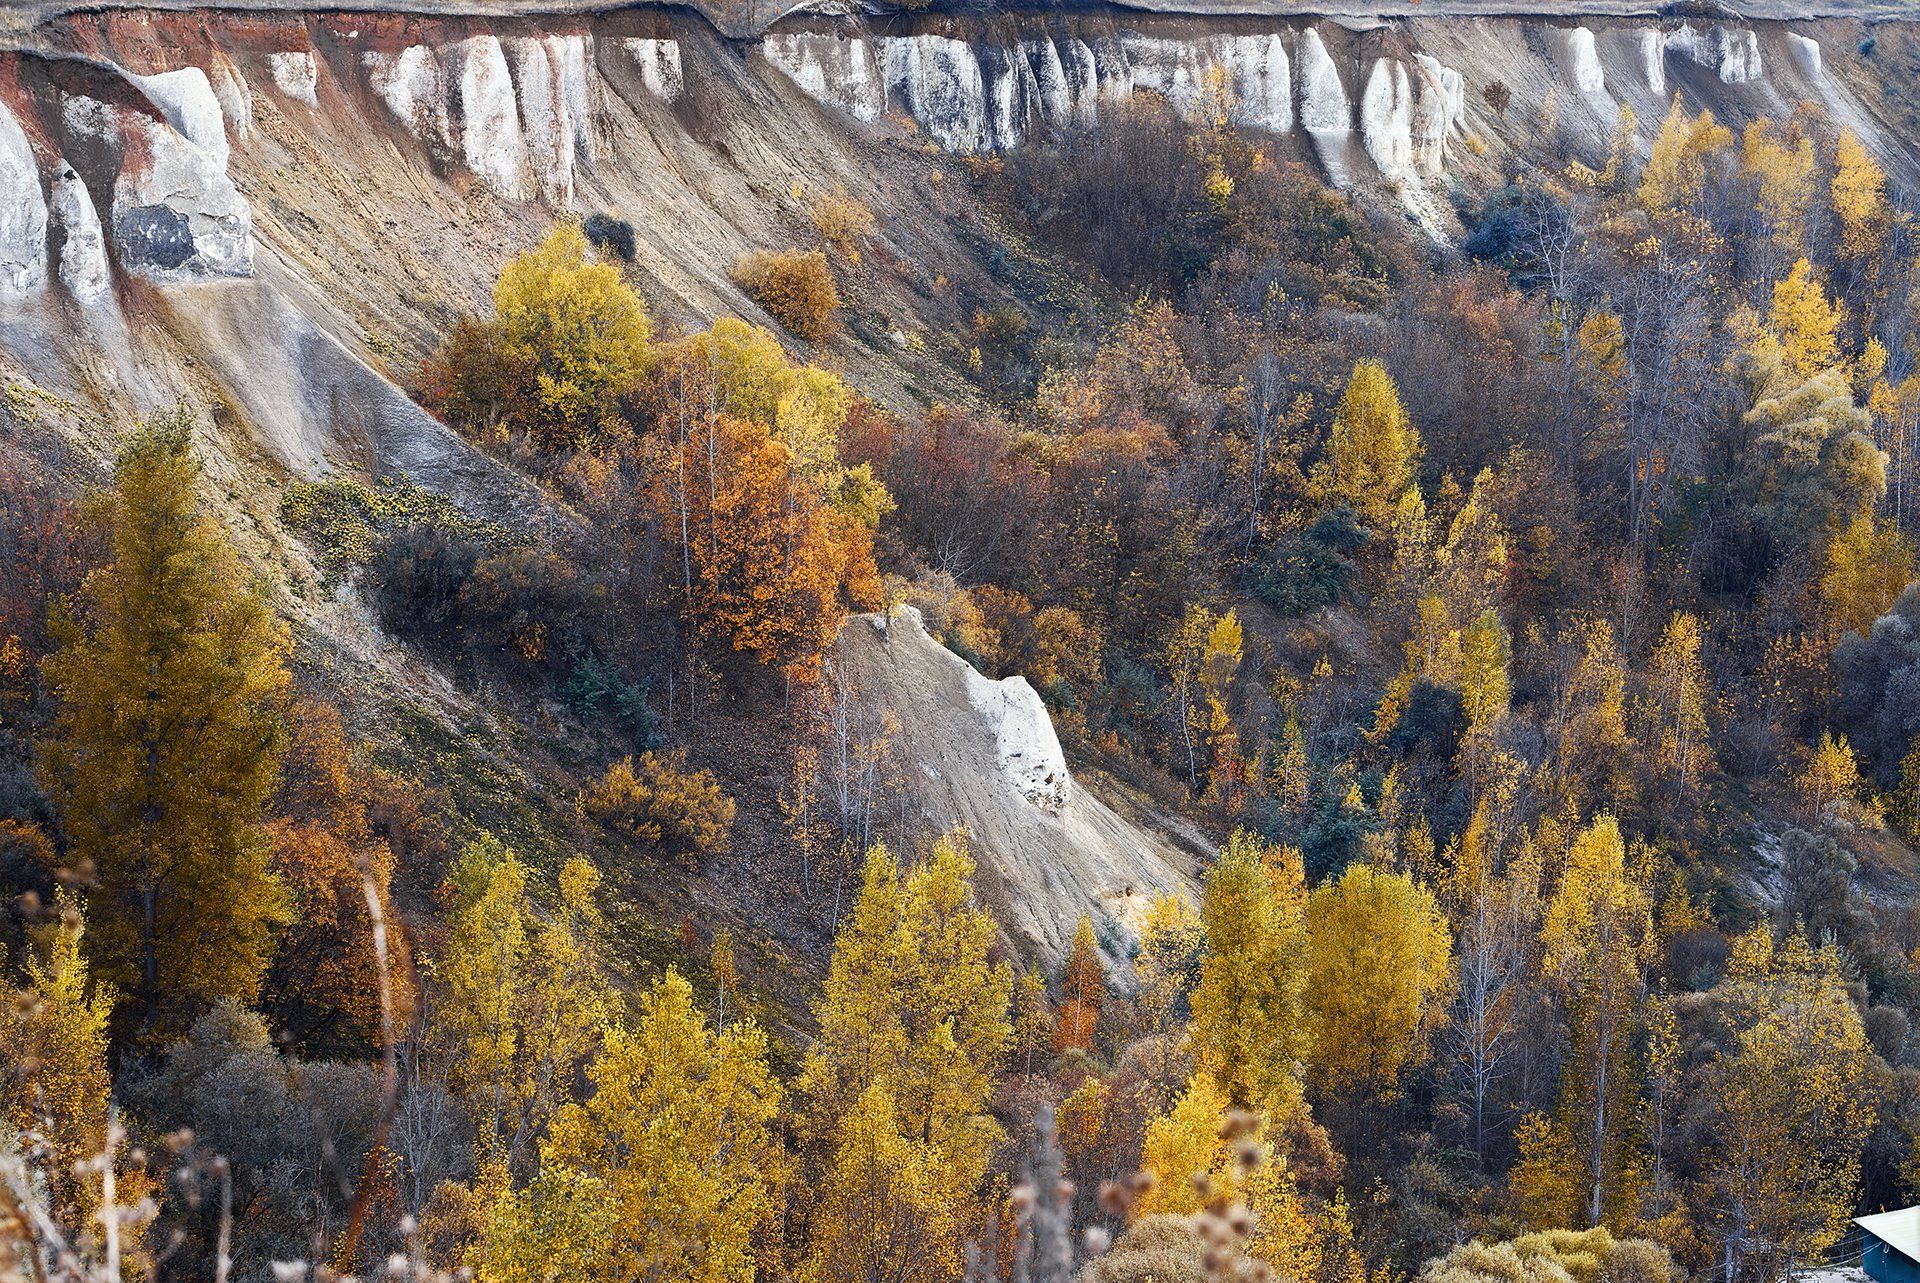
{"x":1890,"y":1252}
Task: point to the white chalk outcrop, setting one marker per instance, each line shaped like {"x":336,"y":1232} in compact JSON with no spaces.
{"x":1806,"y":52}
{"x":1386,"y":117}
{"x":1653,"y":59}
{"x":1583,"y":61}
{"x":518,"y":113}
{"x":1252,"y":70}
{"x":1029,"y":750}
{"x":659,"y":64}
{"x":23,"y":213}
{"x":981,"y":755}
{"x":1438,"y":107}
{"x":414,"y":89}
{"x":186,"y":98}
{"x":83,"y":252}
{"x":549,"y":77}
{"x":1732,"y":53}
{"x":296,"y":74}
{"x":176,"y":214}
{"x":936,"y":80}
{"x":234,"y":94}
{"x":992,"y":96}
{"x":1324,"y":106}
{"x":839,"y":70}
{"x":491,"y":140}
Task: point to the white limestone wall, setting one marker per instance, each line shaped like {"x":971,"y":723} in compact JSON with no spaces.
{"x":1324,"y":105}
{"x":23,"y":213}
{"x":987,"y":97}
{"x":1732,"y":53}
{"x":83,"y":255}
{"x":1386,"y":117}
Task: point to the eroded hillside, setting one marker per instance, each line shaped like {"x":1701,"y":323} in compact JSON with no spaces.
{"x":275,"y":215}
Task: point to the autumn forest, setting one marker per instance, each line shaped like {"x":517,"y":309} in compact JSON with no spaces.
{"x":1513,"y":638}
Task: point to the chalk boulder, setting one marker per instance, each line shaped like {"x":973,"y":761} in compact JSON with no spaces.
{"x":1029,"y":749}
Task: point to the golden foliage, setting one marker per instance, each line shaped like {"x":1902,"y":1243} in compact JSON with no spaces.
{"x":774,"y":568}
{"x":1249,"y":1025}
{"x":1373,"y":448}
{"x":523,"y":1002}
{"x":1805,"y":322}
{"x":659,"y":800}
{"x":796,"y":288}
{"x":1866,"y":565}
{"x":673,"y":1165}
{"x":162,"y":753}
{"x":568,"y":340}
{"x":1859,"y":193}
{"x":53,"y":1059}
{"x":913,"y":1028}
{"x":843,"y":219}
{"x":1379,"y":963}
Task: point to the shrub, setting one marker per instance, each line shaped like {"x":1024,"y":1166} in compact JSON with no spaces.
{"x":595,"y":686}
{"x":843,"y":219}
{"x":418,"y":576}
{"x":795,"y":288}
{"x":657,"y":799}
{"x":568,"y":343}
{"x":1312,"y":569}
{"x":610,"y":235}
{"x":345,"y":522}
{"x":524,"y":600}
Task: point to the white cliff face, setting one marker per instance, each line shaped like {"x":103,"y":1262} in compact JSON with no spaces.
{"x":936,"y":80}
{"x":296,"y":74}
{"x":1252,"y":72}
{"x":23,"y":213}
{"x":1806,"y":52}
{"x":1731,"y":53}
{"x":546,"y":121}
{"x":1386,"y":117}
{"x":990,"y":97}
{"x":518,"y":112}
{"x":1583,"y":60}
{"x":659,"y":63}
{"x":1440,"y":101}
{"x":1653,"y":60}
{"x":491,"y":139}
{"x":83,"y":254}
{"x":176,"y":215}
{"x":1029,"y":749}
{"x":414,"y":89}
{"x":1324,"y":106}
{"x":187,"y":100}
{"x":572,"y":58}
{"x":840,"y":71}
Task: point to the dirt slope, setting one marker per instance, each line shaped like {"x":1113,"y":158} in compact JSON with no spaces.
{"x":1042,"y":862}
